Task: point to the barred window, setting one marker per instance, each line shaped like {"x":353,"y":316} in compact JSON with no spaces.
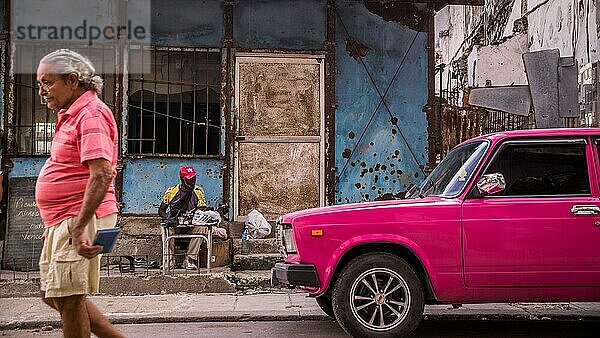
{"x":174,"y":109}
{"x":31,"y":126}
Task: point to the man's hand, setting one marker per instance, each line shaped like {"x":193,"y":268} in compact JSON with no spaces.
{"x":83,"y":245}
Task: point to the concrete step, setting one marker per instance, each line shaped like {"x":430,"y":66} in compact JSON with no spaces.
{"x":252,"y":280}
{"x":152,"y":282}
{"x":255,"y":261}
{"x":257,"y":246}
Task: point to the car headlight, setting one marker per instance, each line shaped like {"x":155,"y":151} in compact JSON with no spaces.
{"x":285,"y":236}
{"x":289,"y":244}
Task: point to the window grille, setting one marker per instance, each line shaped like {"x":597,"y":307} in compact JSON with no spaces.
{"x":32,"y":125}
{"x":174,"y":109}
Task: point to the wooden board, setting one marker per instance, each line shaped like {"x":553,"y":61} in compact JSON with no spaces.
{"x":279,"y":99}
{"x":277,"y":178}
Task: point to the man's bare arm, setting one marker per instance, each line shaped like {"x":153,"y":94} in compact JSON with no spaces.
{"x":95,"y":190}
{"x":162,"y":210}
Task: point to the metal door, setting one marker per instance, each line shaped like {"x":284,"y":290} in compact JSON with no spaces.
{"x":279,"y":143}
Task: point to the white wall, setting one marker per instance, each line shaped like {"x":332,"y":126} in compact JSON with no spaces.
{"x":501,"y":65}
{"x":567,"y":26}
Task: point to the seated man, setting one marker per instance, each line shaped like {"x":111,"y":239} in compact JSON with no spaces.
{"x":178,"y":200}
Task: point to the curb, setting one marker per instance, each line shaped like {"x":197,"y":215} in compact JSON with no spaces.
{"x":246,"y":317}
{"x":132,"y":319}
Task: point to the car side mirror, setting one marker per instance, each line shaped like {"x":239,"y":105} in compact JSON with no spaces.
{"x":491,"y":184}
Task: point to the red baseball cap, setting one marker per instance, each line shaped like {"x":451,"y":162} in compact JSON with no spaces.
{"x":187,"y":172}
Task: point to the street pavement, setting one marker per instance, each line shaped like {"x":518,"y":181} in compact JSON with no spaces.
{"x":31,"y":313}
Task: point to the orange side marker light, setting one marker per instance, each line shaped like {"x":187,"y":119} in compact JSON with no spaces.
{"x":316,"y":232}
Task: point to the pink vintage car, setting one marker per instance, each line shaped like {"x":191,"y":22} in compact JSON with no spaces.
{"x":507,"y":217}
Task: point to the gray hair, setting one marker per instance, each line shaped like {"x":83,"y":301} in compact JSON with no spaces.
{"x":67,"y":62}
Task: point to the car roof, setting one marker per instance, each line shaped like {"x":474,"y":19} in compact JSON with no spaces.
{"x":556,"y":132}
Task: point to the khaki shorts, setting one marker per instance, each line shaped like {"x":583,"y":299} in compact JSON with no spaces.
{"x":63,"y":272}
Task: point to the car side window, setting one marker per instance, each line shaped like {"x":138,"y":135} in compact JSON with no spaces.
{"x":537,"y":169}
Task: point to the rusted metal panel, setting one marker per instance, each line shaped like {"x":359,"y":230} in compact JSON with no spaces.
{"x":514,"y":99}
{"x":542,"y":72}
{"x":146,"y":179}
{"x":278,"y":178}
{"x":396,"y":67}
{"x":568,"y":104}
{"x":270,"y":91}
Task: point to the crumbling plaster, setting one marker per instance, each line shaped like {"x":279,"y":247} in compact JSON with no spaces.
{"x":469,"y":32}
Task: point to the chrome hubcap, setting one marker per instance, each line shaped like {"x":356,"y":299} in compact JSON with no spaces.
{"x":380,"y":299}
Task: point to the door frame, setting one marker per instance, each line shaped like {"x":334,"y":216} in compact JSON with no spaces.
{"x":317,"y":59}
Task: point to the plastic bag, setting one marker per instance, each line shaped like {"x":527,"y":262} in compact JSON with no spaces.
{"x":206,"y":217}
{"x":257,"y":225}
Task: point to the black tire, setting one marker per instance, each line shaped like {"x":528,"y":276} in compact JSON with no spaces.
{"x":325,"y":305}
{"x":392,"y":308}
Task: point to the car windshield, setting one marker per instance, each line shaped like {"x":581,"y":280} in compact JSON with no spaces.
{"x":452,"y":174}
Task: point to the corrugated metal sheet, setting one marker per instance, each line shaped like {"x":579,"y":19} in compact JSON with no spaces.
{"x":382,"y":164}
{"x":145,"y":181}
{"x":280,"y":24}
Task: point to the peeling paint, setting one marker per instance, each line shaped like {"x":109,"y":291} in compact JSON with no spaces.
{"x":404,"y":13}
{"x":356,"y":49}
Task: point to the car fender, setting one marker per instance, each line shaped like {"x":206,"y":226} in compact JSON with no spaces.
{"x":347,"y":246}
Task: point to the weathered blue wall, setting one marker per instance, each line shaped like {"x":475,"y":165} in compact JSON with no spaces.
{"x":280,"y":24}
{"x":26,"y":167}
{"x":145,"y":181}
{"x":382,"y":163}
{"x":187,"y":23}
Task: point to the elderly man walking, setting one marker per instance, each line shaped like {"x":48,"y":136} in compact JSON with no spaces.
{"x":75,"y":192}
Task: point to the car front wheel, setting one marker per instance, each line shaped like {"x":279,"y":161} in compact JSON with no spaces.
{"x":378,"y":295}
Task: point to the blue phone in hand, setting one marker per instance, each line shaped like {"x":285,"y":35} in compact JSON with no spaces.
{"x":107,"y":238}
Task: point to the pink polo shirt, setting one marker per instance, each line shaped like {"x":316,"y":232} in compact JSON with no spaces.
{"x":85,"y":131}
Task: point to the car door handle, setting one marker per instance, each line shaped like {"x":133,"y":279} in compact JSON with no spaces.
{"x":585,"y":210}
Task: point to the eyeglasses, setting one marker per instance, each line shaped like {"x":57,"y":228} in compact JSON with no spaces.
{"x":45,"y":86}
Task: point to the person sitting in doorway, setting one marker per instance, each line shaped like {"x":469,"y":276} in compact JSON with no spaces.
{"x":178,"y":200}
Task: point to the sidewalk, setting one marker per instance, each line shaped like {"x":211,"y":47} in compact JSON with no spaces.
{"x":30,"y":313}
